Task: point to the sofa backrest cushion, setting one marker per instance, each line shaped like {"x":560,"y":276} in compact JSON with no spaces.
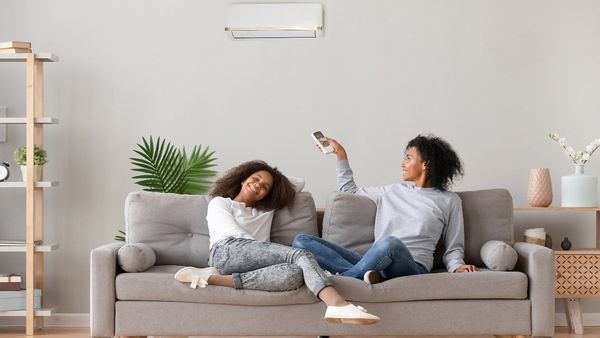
{"x":174,"y":225}
{"x":488,"y":214}
{"x":301,"y":217}
{"x":349,"y":221}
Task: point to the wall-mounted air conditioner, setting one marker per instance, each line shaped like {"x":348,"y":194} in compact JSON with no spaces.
{"x":274,"y":20}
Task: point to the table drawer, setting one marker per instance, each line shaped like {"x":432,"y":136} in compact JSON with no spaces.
{"x":577,"y":274}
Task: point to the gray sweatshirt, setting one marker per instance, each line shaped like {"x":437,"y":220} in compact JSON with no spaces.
{"x":417,"y":216}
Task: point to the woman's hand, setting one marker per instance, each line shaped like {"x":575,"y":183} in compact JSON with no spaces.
{"x":467,"y":268}
{"x":338,"y":150}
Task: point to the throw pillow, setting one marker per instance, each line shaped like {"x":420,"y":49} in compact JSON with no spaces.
{"x":297,"y":182}
{"x":136,"y":257}
{"x":498,"y":256}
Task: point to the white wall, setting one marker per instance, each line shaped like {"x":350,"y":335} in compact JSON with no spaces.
{"x":492,"y":77}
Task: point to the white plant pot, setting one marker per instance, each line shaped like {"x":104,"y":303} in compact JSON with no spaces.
{"x":37,"y":173}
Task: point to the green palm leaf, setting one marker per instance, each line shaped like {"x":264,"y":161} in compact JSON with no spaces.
{"x":164,"y":168}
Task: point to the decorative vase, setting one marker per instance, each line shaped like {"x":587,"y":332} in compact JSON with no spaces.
{"x":579,"y":190}
{"x":37,"y":173}
{"x":539,"y":190}
{"x":566,"y":244}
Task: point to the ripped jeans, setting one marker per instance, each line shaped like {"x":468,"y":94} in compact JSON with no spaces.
{"x":267,"y":266}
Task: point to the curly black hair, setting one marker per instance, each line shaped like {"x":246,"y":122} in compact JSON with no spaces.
{"x":442,"y":163}
{"x":282,"y":192}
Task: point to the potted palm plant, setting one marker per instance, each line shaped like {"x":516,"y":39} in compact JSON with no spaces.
{"x":39,"y":159}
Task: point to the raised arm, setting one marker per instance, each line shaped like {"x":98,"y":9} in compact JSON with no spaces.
{"x":345,"y":177}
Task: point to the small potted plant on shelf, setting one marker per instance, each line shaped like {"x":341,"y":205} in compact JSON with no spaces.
{"x":39,"y":159}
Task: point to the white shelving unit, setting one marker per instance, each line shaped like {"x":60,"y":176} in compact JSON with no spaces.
{"x":34,"y":122}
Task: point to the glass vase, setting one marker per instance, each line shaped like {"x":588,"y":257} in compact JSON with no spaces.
{"x":579,"y":189}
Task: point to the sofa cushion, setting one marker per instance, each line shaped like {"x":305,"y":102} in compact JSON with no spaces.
{"x":485,"y":284}
{"x":158,"y":284}
{"x":488,"y":214}
{"x":499,"y":256}
{"x":301,"y":217}
{"x":349,"y":221}
{"x":174,"y":225}
{"x":136,"y":257}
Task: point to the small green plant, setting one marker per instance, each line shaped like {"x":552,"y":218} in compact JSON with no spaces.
{"x":39,"y":156}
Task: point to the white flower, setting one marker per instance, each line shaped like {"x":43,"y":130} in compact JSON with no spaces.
{"x":579,"y":157}
{"x":589,"y":148}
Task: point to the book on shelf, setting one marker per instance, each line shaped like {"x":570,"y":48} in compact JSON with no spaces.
{"x":14,"y":50}
{"x":10,"y":278}
{"x":15,"y":44}
{"x":16,"y":242}
{"x":15,"y":300}
{"x":12,"y":286}
{"x":10,"y":282}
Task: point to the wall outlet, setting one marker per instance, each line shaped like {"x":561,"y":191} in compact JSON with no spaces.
{"x":2,"y":125}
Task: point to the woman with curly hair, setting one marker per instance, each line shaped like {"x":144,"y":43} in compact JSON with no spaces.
{"x":411,"y":217}
{"x":239,"y":220}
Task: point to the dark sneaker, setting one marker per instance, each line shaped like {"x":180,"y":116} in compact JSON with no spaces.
{"x":372,"y":277}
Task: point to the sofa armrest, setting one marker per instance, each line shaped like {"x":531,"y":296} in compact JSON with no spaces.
{"x":103,"y":270}
{"x":538,"y":263}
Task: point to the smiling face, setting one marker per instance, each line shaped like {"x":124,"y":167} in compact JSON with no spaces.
{"x":413,"y":167}
{"x":255,"y":188}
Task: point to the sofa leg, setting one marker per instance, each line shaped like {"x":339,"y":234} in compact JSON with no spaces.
{"x":322,"y":336}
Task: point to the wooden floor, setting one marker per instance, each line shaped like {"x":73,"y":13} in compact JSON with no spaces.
{"x":561,"y":332}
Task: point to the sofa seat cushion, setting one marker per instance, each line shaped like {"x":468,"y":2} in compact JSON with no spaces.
{"x":158,"y":284}
{"x":485,"y":284}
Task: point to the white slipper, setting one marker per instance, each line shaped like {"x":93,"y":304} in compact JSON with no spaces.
{"x":349,"y":314}
{"x":196,"y":276}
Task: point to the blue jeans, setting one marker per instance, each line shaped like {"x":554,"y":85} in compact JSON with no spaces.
{"x":388,"y":255}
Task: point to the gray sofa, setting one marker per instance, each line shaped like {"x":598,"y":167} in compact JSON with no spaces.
{"x":519,"y":302}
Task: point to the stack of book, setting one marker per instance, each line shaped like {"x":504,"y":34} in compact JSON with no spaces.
{"x":10,"y":282}
{"x":13,"y":47}
{"x":12,"y":298}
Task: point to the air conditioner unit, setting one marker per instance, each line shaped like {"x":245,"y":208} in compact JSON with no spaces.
{"x":281,"y":20}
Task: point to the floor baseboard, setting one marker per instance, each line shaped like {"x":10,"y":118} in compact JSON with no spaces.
{"x":56,"y":320}
{"x":83,"y":320}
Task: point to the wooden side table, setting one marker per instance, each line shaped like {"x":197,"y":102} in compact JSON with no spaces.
{"x":577,"y":272}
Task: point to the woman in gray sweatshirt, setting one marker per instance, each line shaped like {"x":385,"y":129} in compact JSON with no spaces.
{"x":411,"y":217}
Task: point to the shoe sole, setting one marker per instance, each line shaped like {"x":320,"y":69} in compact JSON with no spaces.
{"x":352,"y":321}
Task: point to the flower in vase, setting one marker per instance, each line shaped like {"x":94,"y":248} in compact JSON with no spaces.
{"x":579,"y":157}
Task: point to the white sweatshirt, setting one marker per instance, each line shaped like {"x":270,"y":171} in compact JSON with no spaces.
{"x":228,"y":218}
